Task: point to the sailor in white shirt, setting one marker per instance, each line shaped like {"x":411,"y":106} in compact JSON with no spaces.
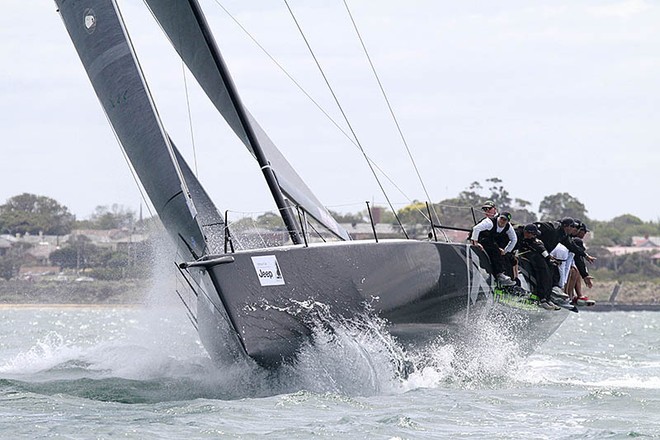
{"x":488,"y":235}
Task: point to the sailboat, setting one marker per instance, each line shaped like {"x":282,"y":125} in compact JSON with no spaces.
{"x":256,"y":304}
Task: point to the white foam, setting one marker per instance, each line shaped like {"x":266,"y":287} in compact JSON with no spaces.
{"x":46,"y":354}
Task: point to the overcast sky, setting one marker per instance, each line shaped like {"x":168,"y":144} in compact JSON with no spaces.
{"x":554,"y":96}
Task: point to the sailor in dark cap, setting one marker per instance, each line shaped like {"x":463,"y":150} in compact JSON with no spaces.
{"x":562,"y":231}
{"x":578,"y":239}
{"x":534,"y":258}
{"x":489,"y":209}
{"x":562,"y":254}
{"x":532,"y":229}
{"x":578,"y":271}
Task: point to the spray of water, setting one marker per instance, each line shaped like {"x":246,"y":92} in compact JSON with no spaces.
{"x":485,"y":353}
{"x":157,"y":355}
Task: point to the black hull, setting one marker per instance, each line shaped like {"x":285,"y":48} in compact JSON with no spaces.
{"x":420,"y":288}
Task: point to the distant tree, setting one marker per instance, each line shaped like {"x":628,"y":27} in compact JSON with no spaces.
{"x":268,"y":220}
{"x":29,"y":213}
{"x":637,"y":265}
{"x":111,"y":265}
{"x":14,"y":258}
{"x":471,"y":196}
{"x":625,"y":221}
{"x":352,"y":218}
{"x":620,"y":230}
{"x":458,"y":211}
{"x":114,"y":217}
{"x":520,"y":214}
{"x":78,"y":253}
{"x":271,"y":221}
{"x":65,"y":257}
{"x":7,"y":267}
{"x":604,"y":234}
{"x":413,"y":214}
{"x":385,"y":213}
{"x":498,"y":194}
{"x":561,"y":205}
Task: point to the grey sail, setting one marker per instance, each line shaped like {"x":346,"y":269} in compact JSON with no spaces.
{"x":188,"y":32}
{"x":102,"y":43}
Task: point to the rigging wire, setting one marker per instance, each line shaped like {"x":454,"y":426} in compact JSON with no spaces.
{"x":341,"y":109}
{"x":389,"y":106}
{"x":263,"y":49}
{"x":297,"y":84}
{"x":145,"y":199}
{"x":316,"y":104}
{"x":190,"y":121}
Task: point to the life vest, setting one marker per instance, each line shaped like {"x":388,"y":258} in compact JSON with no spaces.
{"x":492,"y":234}
{"x":479,"y":221}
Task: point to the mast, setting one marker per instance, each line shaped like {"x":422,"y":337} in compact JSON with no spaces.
{"x":269,"y":175}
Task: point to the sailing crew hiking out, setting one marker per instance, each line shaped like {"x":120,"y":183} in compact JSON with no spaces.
{"x":489,"y":234}
{"x":535,"y":259}
{"x":559,"y":238}
{"x":546,"y":251}
{"x":573,"y":270}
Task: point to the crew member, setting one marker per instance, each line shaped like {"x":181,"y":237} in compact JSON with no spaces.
{"x":487,"y":235}
{"x":578,"y":272}
{"x":562,"y":232}
{"x":534,"y":258}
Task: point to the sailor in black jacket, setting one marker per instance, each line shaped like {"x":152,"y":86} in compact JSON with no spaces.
{"x":534,"y":258}
{"x":553,"y":233}
{"x":579,"y":260}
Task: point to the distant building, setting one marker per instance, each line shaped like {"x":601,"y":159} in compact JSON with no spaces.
{"x":36,"y":249}
{"x":364,"y":231}
{"x":114,"y":239}
{"x":646,"y":242}
{"x":639,"y":244}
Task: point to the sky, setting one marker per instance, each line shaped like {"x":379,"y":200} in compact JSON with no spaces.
{"x":549,"y":96}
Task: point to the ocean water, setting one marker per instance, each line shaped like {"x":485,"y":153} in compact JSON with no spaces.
{"x":99,"y":372}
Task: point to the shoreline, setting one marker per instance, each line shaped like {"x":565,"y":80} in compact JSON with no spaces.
{"x":609,"y":296}
{"x":622,"y":307}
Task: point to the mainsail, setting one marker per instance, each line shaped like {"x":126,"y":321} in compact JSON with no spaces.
{"x":102,"y":43}
{"x":189,"y":33}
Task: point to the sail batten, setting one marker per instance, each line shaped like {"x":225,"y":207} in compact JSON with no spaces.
{"x":187,"y":31}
